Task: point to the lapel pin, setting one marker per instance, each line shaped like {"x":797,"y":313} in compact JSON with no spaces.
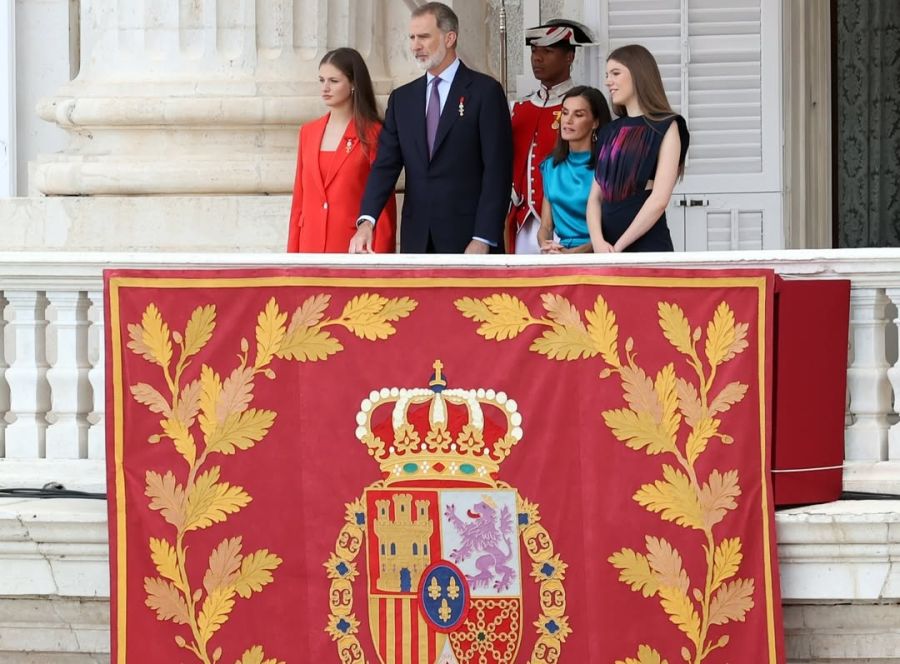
{"x":349,"y":145}
{"x":462,"y":106}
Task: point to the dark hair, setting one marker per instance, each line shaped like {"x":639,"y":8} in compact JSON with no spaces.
{"x":446,"y":18}
{"x":648,"y":85}
{"x":599,"y":110}
{"x":365,"y":110}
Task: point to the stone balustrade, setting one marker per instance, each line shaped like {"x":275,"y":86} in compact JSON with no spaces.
{"x":51,"y":365}
{"x":838,"y":562}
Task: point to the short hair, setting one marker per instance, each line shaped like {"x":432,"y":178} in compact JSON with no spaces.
{"x":446,"y":18}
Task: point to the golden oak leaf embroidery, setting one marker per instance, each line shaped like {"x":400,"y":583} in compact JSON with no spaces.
{"x":640,"y":392}
{"x":501,"y":316}
{"x":165,"y":559}
{"x":666,"y":563}
{"x":681,"y":611}
{"x":604,"y":331}
{"x":188,"y":404}
{"x":676,"y":328}
{"x":215,"y":611}
{"x":256,"y":572}
{"x":151,"y":339}
{"x":646,"y":655}
{"x":668,"y":400}
{"x":210,"y":389}
{"x":167,"y":496}
{"x":724,"y":339}
{"x":183,"y":439}
{"x":149,"y":396}
{"x":726,"y":560}
{"x":673,"y":498}
{"x":699,"y":437}
{"x":310,"y":312}
{"x":227,"y":425}
{"x":211,"y":501}
{"x":256,"y":655}
{"x":638,"y":430}
{"x":718,"y":496}
{"x":730,"y":395}
{"x":309,"y":344}
{"x":199,"y":329}
{"x":164,"y":598}
{"x":688,"y":402}
{"x":241,"y":431}
{"x":652,"y":423}
{"x":236,"y":394}
{"x":224,"y":565}
{"x":270,"y":331}
{"x":634,"y":569}
{"x":565,"y":343}
{"x":731,"y":602}
{"x":562,"y":312}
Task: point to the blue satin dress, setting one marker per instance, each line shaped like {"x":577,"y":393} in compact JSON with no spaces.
{"x":567,"y":186}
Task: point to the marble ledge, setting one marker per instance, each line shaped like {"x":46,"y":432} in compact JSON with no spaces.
{"x":56,"y":547}
{"x":841,"y":551}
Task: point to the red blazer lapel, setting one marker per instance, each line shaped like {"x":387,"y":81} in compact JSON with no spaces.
{"x":349,"y":143}
{"x":311,"y":143}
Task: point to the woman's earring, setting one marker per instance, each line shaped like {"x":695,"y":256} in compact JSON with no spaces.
{"x":594,"y":136}
{"x":352,"y":90}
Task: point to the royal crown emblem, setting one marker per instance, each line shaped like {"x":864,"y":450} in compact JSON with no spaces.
{"x":446,"y":543}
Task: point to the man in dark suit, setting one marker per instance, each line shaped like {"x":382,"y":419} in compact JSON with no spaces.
{"x":451,"y":130}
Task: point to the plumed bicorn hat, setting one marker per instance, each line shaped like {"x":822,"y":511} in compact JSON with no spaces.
{"x":558,"y":32}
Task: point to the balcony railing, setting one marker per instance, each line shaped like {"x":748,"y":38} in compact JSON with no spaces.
{"x":52,"y":412}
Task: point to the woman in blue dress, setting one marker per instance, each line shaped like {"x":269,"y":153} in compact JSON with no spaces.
{"x":641,"y":155}
{"x":569,"y":171}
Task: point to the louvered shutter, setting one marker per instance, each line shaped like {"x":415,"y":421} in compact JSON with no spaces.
{"x":727,"y":222}
{"x":720,"y":63}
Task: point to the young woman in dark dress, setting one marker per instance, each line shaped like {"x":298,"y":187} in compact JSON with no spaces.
{"x":641,"y":155}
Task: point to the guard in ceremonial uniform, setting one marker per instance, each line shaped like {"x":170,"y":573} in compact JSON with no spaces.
{"x":535,"y":126}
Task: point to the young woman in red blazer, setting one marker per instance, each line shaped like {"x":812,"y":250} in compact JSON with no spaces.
{"x":334,"y":157}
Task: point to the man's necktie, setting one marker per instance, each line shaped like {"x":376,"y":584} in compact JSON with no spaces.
{"x":433,"y":114}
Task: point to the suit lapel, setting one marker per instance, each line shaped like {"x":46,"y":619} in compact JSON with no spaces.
{"x":458,"y":94}
{"x":417,"y":121}
{"x":349,"y":142}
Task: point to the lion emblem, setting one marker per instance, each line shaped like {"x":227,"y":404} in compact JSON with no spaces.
{"x":488,"y":536}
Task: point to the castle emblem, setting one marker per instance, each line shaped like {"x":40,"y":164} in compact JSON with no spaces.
{"x":444,"y":546}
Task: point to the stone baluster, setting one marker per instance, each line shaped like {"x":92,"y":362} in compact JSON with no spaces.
{"x":870,"y":392}
{"x":97,"y":377}
{"x":200,"y":97}
{"x":4,"y":386}
{"x":893,"y":374}
{"x":68,"y":377}
{"x":29,"y":392}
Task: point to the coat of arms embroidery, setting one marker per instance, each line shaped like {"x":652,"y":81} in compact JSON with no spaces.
{"x":446,"y":545}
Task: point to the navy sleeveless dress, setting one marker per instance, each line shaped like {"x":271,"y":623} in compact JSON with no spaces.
{"x":629,"y":152}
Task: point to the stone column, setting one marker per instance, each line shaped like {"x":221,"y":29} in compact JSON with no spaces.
{"x":199,"y":96}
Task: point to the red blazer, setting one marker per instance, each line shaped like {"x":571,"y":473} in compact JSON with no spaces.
{"x":325,"y":206}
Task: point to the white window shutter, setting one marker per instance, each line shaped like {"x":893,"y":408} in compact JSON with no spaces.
{"x":721,"y":66}
{"x":656,"y":25}
{"x":728,"y":222}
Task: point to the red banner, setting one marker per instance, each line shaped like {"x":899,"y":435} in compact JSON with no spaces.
{"x":441,"y":466}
